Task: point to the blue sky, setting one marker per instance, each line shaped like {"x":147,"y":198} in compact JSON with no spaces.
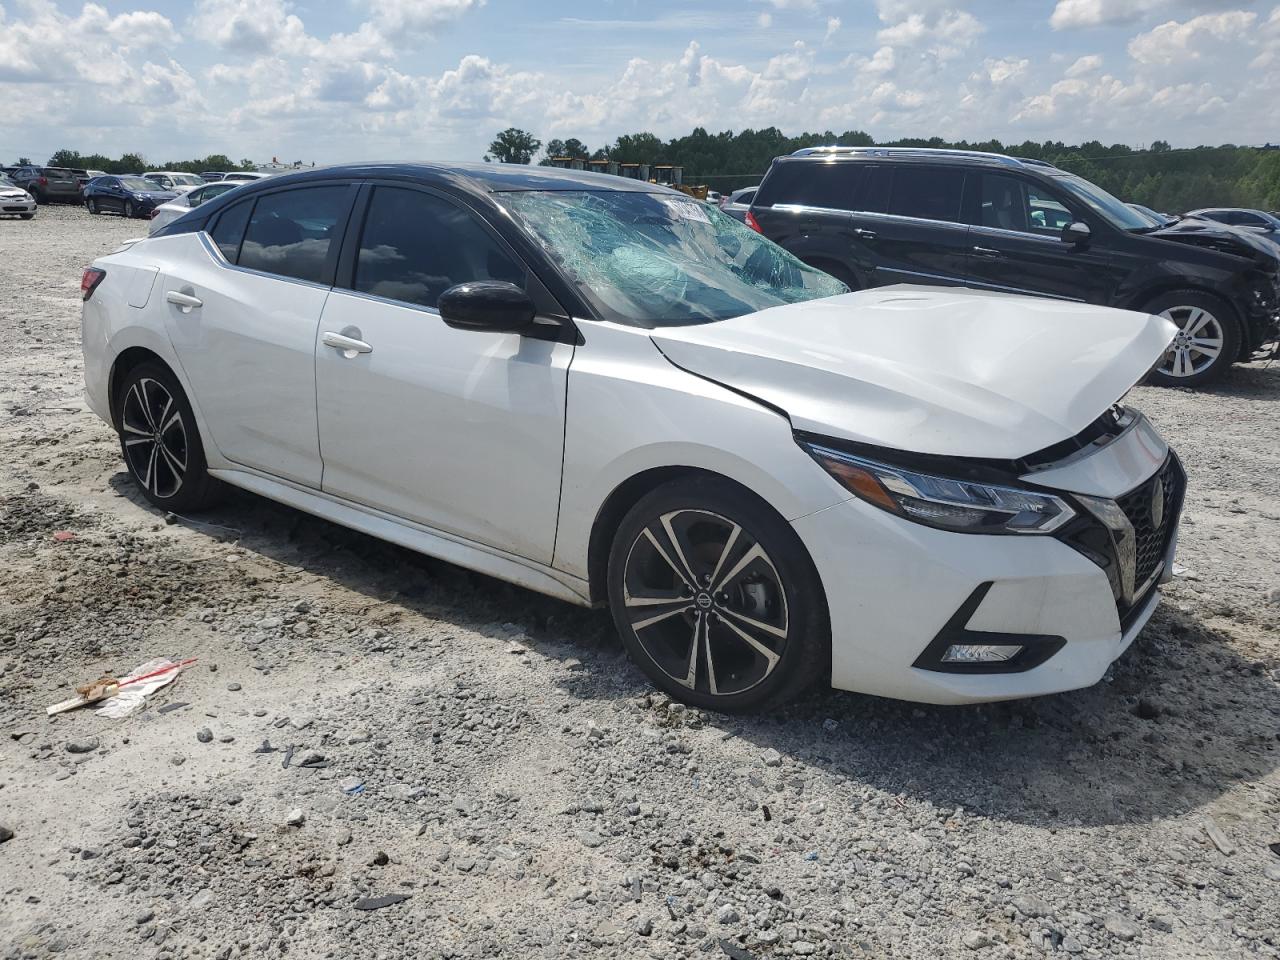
{"x":399,"y":79}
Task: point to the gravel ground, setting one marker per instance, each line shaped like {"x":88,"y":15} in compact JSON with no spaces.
{"x":379,"y":755}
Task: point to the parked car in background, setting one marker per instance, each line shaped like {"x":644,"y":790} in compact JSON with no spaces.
{"x":1148,"y":212}
{"x":1259,"y":220}
{"x":175,"y":181}
{"x":244,"y":175}
{"x":872,"y":216}
{"x":184,"y":203}
{"x":738,"y":203}
{"x":15,"y":201}
{"x":211,"y":176}
{"x":48,"y":184}
{"x":128,"y":195}
{"x":772,"y":483}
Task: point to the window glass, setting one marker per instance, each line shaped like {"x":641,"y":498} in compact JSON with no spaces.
{"x":415,"y":246}
{"x":290,"y":232}
{"x":662,"y":258}
{"x":832,"y":184}
{"x":929,"y":193}
{"x":229,"y":229}
{"x":1010,"y":203}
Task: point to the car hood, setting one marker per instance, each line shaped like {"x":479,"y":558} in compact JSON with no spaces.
{"x":947,"y":371}
{"x":1243,"y":242}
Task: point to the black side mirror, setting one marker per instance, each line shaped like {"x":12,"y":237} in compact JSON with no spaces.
{"x":1076,"y":232}
{"x":494,"y":305}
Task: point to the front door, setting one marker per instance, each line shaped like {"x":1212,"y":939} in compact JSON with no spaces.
{"x":460,"y":430}
{"x":1016,"y":244}
{"x":243,"y":315}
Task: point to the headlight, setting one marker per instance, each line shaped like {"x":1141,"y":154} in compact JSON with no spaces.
{"x":962,"y":506}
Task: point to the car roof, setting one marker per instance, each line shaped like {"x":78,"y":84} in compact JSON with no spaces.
{"x":917,"y":155}
{"x":479,"y":177}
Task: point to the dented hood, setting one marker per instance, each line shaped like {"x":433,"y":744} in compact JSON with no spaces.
{"x":931,"y":370}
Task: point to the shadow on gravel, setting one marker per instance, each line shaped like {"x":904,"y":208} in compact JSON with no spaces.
{"x":1180,"y":719}
{"x":1254,"y":381}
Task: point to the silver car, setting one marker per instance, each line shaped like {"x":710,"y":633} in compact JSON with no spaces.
{"x":168,"y":212}
{"x":738,"y":203}
{"x":14,"y":201}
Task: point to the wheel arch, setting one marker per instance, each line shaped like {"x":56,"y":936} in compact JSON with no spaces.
{"x":129,"y":359}
{"x":1175,"y":284}
{"x":626,"y":495}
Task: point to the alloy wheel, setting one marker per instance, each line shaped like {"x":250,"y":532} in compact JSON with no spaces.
{"x":1197,"y":345}
{"x":93,"y":205}
{"x":705,"y":602}
{"x":128,"y":209}
{"x":155,"y":438}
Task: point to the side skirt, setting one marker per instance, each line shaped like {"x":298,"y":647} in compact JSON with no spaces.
{"x":414,"y":536}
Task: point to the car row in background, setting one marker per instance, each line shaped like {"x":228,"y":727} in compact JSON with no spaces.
{"x":174,"y":180}
{"x":215,"y":176}
{"x":738,"y":203}
{"x":872,"y":216}
{"x":1260,"y":221}
{"x":15,"y":201}
{"x":166,"y":213}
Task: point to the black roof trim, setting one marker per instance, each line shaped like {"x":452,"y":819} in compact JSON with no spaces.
{"x":483,"y":177}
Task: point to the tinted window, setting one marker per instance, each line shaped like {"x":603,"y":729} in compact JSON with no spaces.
{"x":229,"y":229}
{"x":415,"y":246}
{"x":931,"y":193}
{"x":290,"y":233}
{"x":1009,"y":203}
{"x":829,"y":184}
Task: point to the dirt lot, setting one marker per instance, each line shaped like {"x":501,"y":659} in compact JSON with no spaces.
{"x":364,"y":722}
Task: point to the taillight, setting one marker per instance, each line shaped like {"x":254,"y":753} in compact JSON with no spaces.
{"x":44,"y":181}
{"x":89,"y":282}
{"x":751,"y":222}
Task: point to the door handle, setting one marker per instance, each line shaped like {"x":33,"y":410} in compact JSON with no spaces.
{"x":184,"y":300}
{"x":987,"y":252}
{"x":864,"y":233}
{"x":349,"y":346}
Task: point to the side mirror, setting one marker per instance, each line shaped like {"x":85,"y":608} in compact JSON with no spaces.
{"x":497,"y":306}
{"x":1076,"y":232}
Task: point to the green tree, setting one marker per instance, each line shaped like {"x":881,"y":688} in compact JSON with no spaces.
{"x":24,"y":161}
{"x":66,"y":158}
{"x":513,"y":145}
{"x":130,"y":163}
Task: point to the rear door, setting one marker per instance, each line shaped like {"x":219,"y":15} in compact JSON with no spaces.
{"x":909,"y":224}
{"x":1017,"y":243}
{"x":460,"y":430}
{"x":243,"y":319}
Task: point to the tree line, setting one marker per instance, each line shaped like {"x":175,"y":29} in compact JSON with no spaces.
{"x":136,"y":163}
{"x":1159,"y":176}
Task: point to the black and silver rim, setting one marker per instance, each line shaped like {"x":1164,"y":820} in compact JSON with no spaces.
{"x":1196,"y":346}
{"x":128,"y":209}
{"x":155,"y":438}
{"x":705,"y":602}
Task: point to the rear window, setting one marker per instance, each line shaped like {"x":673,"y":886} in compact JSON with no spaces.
{"x":823,"y":183}
{"x":928,"y":193}
{"x":290,"y":233}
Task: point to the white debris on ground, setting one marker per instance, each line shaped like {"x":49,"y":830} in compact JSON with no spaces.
{"x":380,"y":755}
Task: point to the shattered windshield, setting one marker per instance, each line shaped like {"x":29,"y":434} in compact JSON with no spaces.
{"x":662,"y":259}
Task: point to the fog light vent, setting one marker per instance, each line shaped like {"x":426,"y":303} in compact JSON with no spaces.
{"x":980,"y":653}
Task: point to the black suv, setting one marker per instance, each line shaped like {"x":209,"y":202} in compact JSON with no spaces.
{"x":878,"y":215}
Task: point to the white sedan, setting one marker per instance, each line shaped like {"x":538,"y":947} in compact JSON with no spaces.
{"x":166,"y":213}
{"x":611,"y":393}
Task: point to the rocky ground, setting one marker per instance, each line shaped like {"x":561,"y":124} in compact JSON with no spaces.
{"x":382,"y":756}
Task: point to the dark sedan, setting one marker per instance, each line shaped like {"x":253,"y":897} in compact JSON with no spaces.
{"x":131,"y":196}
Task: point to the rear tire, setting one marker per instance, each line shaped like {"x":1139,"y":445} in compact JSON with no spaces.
{"x":716,"y":598}
{"x":37,"y":196}
{"x":92,"y":204}
{"x":1208,"y":339}
{"x":160,"y":442}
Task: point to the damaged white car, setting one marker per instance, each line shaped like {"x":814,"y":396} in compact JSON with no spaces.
{"x":608,"y":392}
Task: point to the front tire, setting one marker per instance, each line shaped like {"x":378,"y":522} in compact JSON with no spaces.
{"x":160,"y":441}
{"x":26,"y":216}
{"x":128,"y":209}
{"x":92,"y":204}
{"x":716,"y":598}
{"x":1207,"y":342}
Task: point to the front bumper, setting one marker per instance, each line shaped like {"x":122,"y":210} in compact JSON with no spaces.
{"x":899,"y":593}
{"x":8,"y":205}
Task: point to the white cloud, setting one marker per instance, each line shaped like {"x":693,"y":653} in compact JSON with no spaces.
{"x":417,"y":17}
{"x":1083,"y":65}
{"x":765,"y":20}
{"x":251,"y":27}
{"x":833,"y":27}
{"x":1175,"y":42}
